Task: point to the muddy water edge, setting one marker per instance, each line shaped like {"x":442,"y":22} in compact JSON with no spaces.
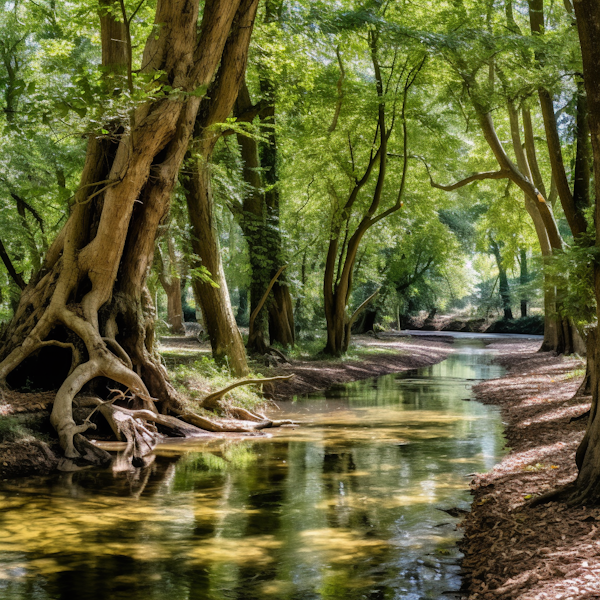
{"x":349,"y":505}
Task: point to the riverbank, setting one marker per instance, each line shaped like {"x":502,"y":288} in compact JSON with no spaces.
{"x":512,"y":550}
{"x":375,"y":356}
{"x":34,"y":451}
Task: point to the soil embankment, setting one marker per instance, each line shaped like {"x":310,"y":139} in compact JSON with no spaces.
{"x":512,"y":550}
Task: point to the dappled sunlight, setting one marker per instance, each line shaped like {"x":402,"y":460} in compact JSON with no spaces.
{"x":347,"y":501}
{"x":554,"y":548}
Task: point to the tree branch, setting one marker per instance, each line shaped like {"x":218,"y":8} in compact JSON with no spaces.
{"x":211,"y":400}
{"x":264,"y":298}
{"x":502,"y":174}
{"x":340,"y":92}
{"x":17,"y":278}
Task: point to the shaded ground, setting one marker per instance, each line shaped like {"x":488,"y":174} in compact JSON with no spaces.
{"x":511,"y":550}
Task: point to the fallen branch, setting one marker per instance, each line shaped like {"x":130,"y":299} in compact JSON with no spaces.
{"x":211,"y":400}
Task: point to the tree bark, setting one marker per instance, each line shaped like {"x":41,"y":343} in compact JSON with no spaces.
{"x":213,"y":296}
{"x":258,"y":218}
{"x":503,"y":287}
{"x":281,"y":308}
{"x":573,"y":204}
{"x":587,"y":486}
{"x":224,"y":335}
{"x":171,"y":283}
{"x":252,"y":217}
{"x":523,"y":280}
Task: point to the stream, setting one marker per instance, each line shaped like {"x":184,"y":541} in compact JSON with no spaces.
{"x":347,"y":506}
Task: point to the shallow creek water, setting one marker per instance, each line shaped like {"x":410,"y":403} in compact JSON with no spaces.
{"x":346,"y":506}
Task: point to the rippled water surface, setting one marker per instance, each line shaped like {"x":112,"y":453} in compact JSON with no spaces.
{"x":347,"y":506}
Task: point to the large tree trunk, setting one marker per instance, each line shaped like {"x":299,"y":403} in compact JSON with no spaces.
{"x":226,"y":341}
{"x":219,"y":320}
{"x":90,"y":298}
{"x":259,"y":221}
{"x":281,"y":308}
{"x":587,"y":486}
{"x":254,"y":224}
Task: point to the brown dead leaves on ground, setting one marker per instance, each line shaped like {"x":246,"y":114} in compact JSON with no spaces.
{"x":512,"y":550}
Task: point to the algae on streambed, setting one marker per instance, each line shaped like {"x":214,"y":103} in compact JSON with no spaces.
{"x":345,"y":506}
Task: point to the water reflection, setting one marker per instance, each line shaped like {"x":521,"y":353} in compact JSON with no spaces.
{"x":346,"y":506}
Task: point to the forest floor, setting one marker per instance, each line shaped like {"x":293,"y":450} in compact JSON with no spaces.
{"x":28,"y":447}
{"x":512,"y":550}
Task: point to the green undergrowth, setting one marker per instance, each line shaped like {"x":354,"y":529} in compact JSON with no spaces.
{"x":313,"y":350}
{"x":195,"y":380}
{"x":575,"y":373}
{"x":24,"y":427}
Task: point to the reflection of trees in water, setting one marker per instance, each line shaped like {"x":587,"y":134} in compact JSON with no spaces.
{"x":133,"y":482}
{"x":277,"y":519}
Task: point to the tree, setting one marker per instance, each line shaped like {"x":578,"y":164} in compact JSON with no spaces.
{"x":503,"y":286}
{"x":345,"y":236}
{"x":212,"y":293}
{"x":259,"y":215}
{"x":587,"y":486}
{"x":89,"y":297}
{"x":480,"y":68}
{"x":168,"y":274}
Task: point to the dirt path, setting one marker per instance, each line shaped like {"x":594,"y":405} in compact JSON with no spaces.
{"x":511,"y":550}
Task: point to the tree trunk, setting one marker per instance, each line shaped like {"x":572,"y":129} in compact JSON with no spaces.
{"x":253,"y":222}
{"x":242,"y":316}
{"x":523,"y":280}
{"x":225,"y":338}
{"x":554,"y":326}
{"x":587,"y":486}
{"x":503,"y":287}
{"x":171,"y":283}
{"x":281,"y":316}
{"x":281,"y":308}
{"x":213,"y":296}
{"x":259,"y":221}
{"x":90,"y":298}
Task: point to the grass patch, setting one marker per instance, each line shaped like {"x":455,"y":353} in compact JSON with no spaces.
{"x":312,"y":349}
{"x":21,"y":427}
{"x":575,"y":373}
{"x":196,"y":379}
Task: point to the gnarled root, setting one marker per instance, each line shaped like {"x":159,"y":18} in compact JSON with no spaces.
{"x":140,"y":429}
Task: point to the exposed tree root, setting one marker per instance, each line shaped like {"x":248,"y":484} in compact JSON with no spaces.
{"x":211,"y":401}
{"x":557,"y":495}
{"x":142,"y":429}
